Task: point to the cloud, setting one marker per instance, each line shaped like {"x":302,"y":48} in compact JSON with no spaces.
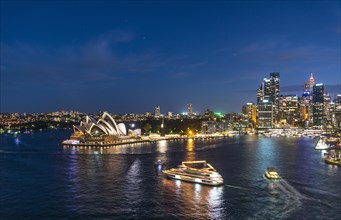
{"x":96,"y":61}
{"x":116,"y":36}
{"x":282,"y":52}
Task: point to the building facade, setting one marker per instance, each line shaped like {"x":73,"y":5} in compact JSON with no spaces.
{"x":318,"y":105}
{"x":157,"y":113}
{"x":189,"y":110}
{"x":289,"y":110}
{"x":265,"y":115}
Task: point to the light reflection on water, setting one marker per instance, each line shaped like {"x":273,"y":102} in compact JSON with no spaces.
{"x":162,"y":146}
{"x":195,"y":200}
{"x":44,"y":179}
{"x":190,"y":150}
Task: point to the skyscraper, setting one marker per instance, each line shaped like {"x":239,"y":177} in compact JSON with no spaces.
{"x":318,"y":104}
{"x":289,"y":109}
{"x":260,"y":96}
{"x":274,"y":79}
{"x":305,"y":108}
{"x":327,"y":111}
{"x":157,"y":112}
{"x":308,"y":86}
{"x":306,"y":112}
{"x":265,"y":114}
{"x":337,"y":111}
{"x":189,"y":110}
{"x":250,"y":112}
{"x":269,"y":94}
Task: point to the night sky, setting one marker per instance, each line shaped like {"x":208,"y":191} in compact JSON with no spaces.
{"x":128,"y":57}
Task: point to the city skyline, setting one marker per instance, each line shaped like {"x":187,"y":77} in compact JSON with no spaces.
{"x":129,"y":57}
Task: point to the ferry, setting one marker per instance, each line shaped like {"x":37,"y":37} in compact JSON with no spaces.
{"x":333,"y":161}
{"x":196,"y":172}
{"x":271,"y":173}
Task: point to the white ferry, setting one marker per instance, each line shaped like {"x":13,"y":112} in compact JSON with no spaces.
{"x":196,"y":172}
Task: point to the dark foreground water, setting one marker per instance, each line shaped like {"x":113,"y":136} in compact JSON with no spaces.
{"x":39,"y":179}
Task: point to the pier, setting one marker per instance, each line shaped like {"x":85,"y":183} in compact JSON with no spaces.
{"x":146,"y":139}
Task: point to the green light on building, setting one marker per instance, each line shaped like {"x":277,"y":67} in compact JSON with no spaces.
{"x":218,"y":114}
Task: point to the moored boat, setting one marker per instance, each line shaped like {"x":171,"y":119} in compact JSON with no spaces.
{"x":271,"y":173}
{"x":334,"y":161}
{"x":195,"y":172}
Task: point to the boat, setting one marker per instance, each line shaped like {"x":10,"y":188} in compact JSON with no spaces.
{"x":333,"y":161}
{"x":196,"y":172}
{"x":271,"y":173}
{"x":159,"y":163}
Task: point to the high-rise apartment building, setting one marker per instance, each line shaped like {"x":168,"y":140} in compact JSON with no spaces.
{"x":189,"y":110}
{"x":170,"y":114}
{"x":157,"y":112}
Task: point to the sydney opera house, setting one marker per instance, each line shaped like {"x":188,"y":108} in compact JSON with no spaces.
{"x":104,"y":131}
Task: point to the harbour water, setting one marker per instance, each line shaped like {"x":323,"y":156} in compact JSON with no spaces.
{"x":39,"y":179}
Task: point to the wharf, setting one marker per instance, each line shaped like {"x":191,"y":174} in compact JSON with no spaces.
{"x":67,"y":143}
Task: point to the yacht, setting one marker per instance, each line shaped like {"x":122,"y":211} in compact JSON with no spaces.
{"x":271,"y":173}
{"x":196,"y":172}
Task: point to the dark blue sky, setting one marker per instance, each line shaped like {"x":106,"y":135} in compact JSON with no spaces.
{"x":128,"y":57}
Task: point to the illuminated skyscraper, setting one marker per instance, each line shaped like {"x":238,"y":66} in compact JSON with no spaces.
{"x":157,"y":112}
{"x":327,"y":111}
{"x":306,"y":112}
{"x":250,"y":112}
{"x":265,"y":115}
{"x":289,"y":109}
{"x":260,"y":96}
{"x":337,"y":111}
{"x":189,"y":110}
{"x":308,"y":86}
{"x":275,"y":92}
{"x":269,"y":93}
{"x":318,"y":105}
{"x":305,"y":108}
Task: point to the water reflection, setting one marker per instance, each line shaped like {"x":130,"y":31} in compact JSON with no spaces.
{"x":195,"y":200}
{"x":190,"y":152}
{"x":266,"y":152}
{"x":162,"y":146}
{"x":189,"y":146}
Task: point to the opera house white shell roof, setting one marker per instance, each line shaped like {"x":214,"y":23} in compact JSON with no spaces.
{"x":106,"y":125}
